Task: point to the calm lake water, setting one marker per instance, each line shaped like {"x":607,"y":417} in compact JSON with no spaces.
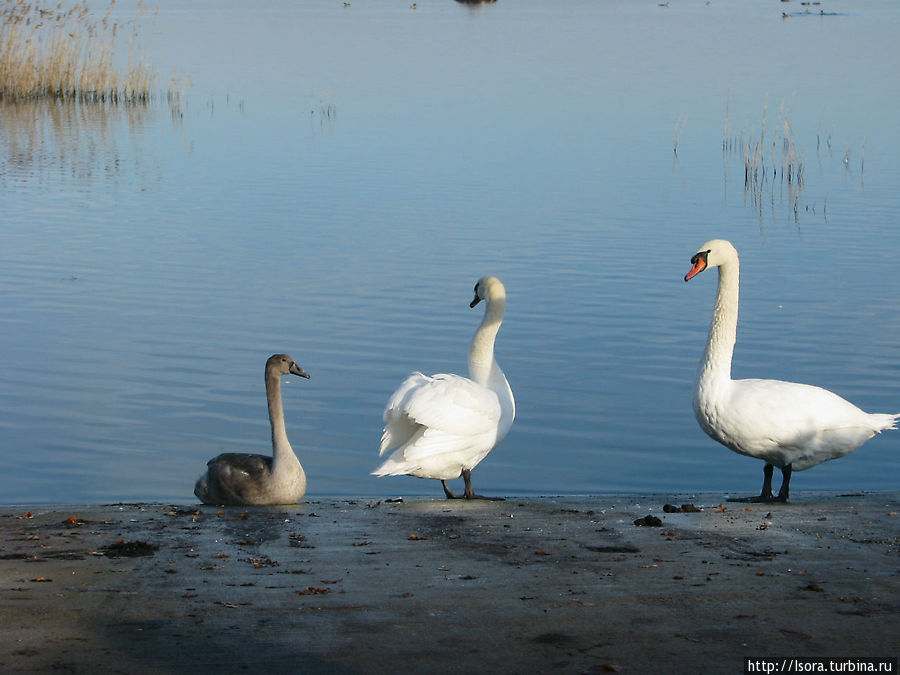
{"x":337,"y":177}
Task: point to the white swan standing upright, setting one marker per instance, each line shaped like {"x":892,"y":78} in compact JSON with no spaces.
{"x":442,"y":426}
{"x":245,"y":479}
{"x":788,"y":425}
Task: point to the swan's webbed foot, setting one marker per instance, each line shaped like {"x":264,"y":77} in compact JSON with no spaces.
{"x":469,"y":493}
{"x":761,"y":499}
{"x":758,"y":499}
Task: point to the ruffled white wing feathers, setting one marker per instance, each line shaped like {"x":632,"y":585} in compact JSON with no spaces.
{"x":438,"y":424}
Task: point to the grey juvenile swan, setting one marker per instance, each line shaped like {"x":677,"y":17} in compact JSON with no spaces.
{"x":235,"y":478}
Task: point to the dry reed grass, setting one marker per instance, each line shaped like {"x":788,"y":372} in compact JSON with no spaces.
{"x":768,"y":158}
{"x":68,"y":54}
{"x":767,"y":155}
{"x":775,"y":172}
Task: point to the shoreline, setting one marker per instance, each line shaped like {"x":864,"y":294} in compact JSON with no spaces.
{"x":550,"y":584}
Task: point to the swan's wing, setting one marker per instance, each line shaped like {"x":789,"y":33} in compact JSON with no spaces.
{"x":791,"y":405}
{"x":240,"y":463}
{"x":230,"y":477}
{"x":808,"y":421}
{"x":451,"y":404}
{"x":441,"y":415}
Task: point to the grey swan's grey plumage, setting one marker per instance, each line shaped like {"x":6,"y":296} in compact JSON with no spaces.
{"x":785,"y":424}
{"x":441,"y":426}
{"x":258,"y":480}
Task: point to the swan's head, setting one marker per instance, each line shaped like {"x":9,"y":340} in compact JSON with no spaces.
{"x":488,"y":288}
{"x":282,"y":364}
{"x":713,"y":253}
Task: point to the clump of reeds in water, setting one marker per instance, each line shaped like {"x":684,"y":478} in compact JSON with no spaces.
{"x":768,"y":159}
{"x":67,"y":54}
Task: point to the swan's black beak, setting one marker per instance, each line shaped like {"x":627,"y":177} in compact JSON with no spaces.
{"x":475,"y":301}
{"x":699,"y":264}
{"x":297,"y":370}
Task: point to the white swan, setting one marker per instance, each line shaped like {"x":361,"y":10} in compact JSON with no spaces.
{"x":442,"y":426}
{"x":244,"y":479}
{"x":788,"y":425}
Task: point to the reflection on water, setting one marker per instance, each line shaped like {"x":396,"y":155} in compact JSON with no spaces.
{"x":333,"y":186}
{"x":85,"y":141}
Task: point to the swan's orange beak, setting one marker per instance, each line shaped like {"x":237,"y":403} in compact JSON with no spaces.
{"x":699,"y":264}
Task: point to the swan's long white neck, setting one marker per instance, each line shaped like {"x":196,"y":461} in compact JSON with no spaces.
{"x":483,"y":366}
{"x":716,"y":363}
{"x":281,"y":448}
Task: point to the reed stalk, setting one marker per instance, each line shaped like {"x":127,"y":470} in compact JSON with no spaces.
{"x":679,"y":129}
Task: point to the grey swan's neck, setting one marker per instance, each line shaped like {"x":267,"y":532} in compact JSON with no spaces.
{"x":277,"y":366}
{"x":281,"y":448}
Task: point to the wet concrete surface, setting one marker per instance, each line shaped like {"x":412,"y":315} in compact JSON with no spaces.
{"x":525,"y":585}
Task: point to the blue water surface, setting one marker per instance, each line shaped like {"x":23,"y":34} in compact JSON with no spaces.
{"x":335,"y":178}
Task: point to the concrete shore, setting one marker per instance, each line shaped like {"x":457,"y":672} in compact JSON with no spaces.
{"x":525,"y":585}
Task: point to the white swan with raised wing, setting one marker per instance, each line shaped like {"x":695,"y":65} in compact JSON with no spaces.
{"x":442,"y":426}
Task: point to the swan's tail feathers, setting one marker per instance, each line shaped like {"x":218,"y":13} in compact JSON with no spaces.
{"x":878,"y":422}
{"x":886,"y":422}
{"x":398,"y":463}
{"x":398,"y":430}
{"x":387,"y":441}
{"x":395,"y":467}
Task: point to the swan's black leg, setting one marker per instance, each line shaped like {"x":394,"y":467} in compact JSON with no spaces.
{"x":766,"y":494}
{"x":470,"y":493}
{"x":467,"y":477}
{"x":447,"y":492}
{"x":785,"y":483}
